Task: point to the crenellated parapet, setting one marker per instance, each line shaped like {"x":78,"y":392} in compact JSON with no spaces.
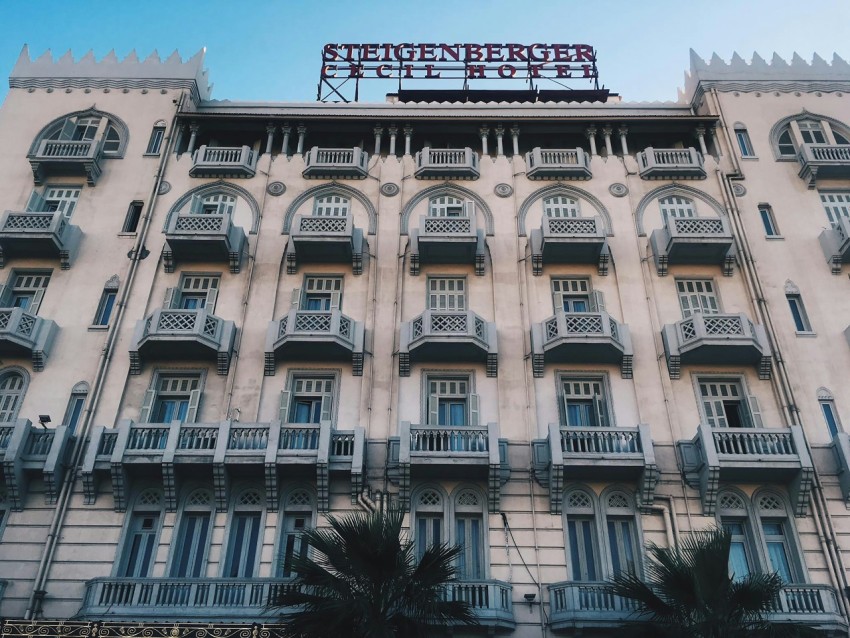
{"x":47,"y":71}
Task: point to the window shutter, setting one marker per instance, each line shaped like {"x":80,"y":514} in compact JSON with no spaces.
{"x":212,"y":295}
{"x":194,"y":400}
{"x":295,"y":297}
{"x":327,"y":406}
{"x":283,"y":412}
{"x":473,"y":409}
{"x":599,"y":411}
{"x":36,"y":301}
{"x":755,"y":412}
{"x":36,"y":203}
{"x":469,"y":209}
{"x":433,"y":410}
{"x":557,"y":300}
{"x":335,"y":300}
{"x":562,"y":407}
{"x":67,"y":131}
{"x":597,"y":301}
{"x":172,"y":298}
{"x":715,"y":414}
{"x":147,"y":406}
{"x":196,"y":206}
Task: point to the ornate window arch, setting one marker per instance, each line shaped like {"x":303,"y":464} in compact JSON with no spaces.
{"x":333,"y":188}
{"x":84,"y":125}
{"x":244,"y":534}
{"x":564,"y":197}
{"x":193,"y":530}
{"x":622,"y":530}
{"x":785,"y":142}
{"x":226,"y":196}
{"x":448,"y":190}
{"x":428,"y":512}
{"x":697,"y":198}
{"x":469,"y":527}
{"x":142,"y":527}
{"x":13,"y":387}
{"x":584,"y":562}
{"x":298,"y":514}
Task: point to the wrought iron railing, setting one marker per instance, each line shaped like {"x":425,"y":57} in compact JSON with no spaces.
{"x":438,"y":438}
{"x":598,"y":440}
{"x":750,"y":442}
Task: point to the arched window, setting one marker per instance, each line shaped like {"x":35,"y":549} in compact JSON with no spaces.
{"x":582,"y":546}
{"x":140,"y":540}
{"x":298,"y":509}
{"x":243,"y":545}
{"x":87,"y":126}
{"x":830,"y":414}
{"x":811,"y":132}
{"x":429,"y":508}
{"x":446,"y":206}
{"x":331,"y":206}
{"x":193,"y":535}
{"x":561,"y":206}
{"x":76,"y":403}
{"x":12,"y":388}
{"x":469,"y":534}
{"x":776,"y":535}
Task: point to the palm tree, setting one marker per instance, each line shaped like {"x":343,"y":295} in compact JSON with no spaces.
{"x":363,"y":579}
{"x":688,"y":591}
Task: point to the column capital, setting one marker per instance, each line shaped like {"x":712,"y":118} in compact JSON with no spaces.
{"x":392,"y":129}
{"x":622,"y":129}
{"x":700,"y":129}
{"x":408,"y":130}
{"x":286,"y":128}
{"x":484,"y":131}
{"x":379,"y":129}
{"x":270,"y":128}
{"x":194,"y":127}
{"x":590,"y":131}
{"x":499,"y":130}
{"x":607,"y":130}
{"x":515,"y":129}
{"x":302,"y":128}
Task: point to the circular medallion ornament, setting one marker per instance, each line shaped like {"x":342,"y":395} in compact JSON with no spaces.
{"x":276,"y":189}
{"x":389,"y":189}
{"x":739,"y":189}
{"x":618,"y":190}
{"x":503,"y":190}
{"x":164,"y":187}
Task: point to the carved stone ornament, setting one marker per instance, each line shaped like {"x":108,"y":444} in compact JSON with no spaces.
{"x":389,"y":189}
{"x":739,"y":189}
{"x":618,"y":190}
{"x":276,"y":189}
{"x":164,"y":187}
{"x":503,"y":190}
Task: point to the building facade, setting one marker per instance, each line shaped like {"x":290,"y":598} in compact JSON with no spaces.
{"x":552,"y":331}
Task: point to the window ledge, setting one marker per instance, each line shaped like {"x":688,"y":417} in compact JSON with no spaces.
{"x":98,"y":328}
{"x":774,"y":237}
{"x":749,"y":157}
{"x":127,"y":234}
{"x":150,"y":155}
{"x":805,"y":333}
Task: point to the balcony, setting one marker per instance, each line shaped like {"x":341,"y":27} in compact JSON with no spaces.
{"x":60,"y":158}
{"x":435,"y":451}
{"x":835,"y":243}
{"x":747,"y":455}
{"x":560,"y":163}
{"x":191,"y":237}
{"x":173,"y":599}
{"x":314,"y":335}
{"x":813,"y":605}
{"x":446,"y":163}
{"x":595,"y":453}
{"x":325,"y":240}
{"x":181,"y":334}
{"x":570,"y":240}
{"x":671,"y":163}
{"x":693,"y":240}
{"x":841,"y":448}
{"x":336,"y":163}
{"x":32,"y":234}
{"x":26,"y":452}
{"x":489,"y":600}
{"x":581,"y":337}
{"x":223,"y":161}
{"x":447,"y":240}
{"x":438,"y":335}
{"x":729,"y":340}
{"x":25,"y":334}
{"x":823,"y":161}
{"x":578,"y":607}
{"x":178,"y":450}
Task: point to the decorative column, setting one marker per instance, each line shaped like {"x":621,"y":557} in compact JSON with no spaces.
{"x":408,"y":135}
{"x":591,"y":136}
{"x":500,"y":133}
{"x":302,"y":133}
{"x":515,"y":137}
{"x":287,"y":129}
{"x":393,"y":131}
{"x":379,"y":133}
{"x":193,"y":129}
{"x":485,"y":133}
{"x":270,"y":128}
{"x":623,"y":145}
{"x":606,"y":133}
{"x":701,"y":139}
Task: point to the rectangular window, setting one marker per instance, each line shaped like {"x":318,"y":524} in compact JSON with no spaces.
{"x":448,"y":206}
{"x":676,"y":207}
{"x":561,"y":206}
{"x":55,"y":198}
{"x":777,"y":549}
{"x":469,"y":536}
{"x":812,"y":132}
{"x":697,"y":295}
{"x":739,"y":561}
{"x":140,"y":545}
{"x":621,"y":541}
{"x":447,"y":293}
{"x":331,"y":206}
{"x":155,"y":141}
{"x":582,"y":548}
{"x":768,"y":221}
{"x":293,"y":543}
{"x":74,"y":410}
{"x":724,"y":404}
{"x":836,"y":206}
{"x":571,"y":295}
{"x":308,"y":400}
{"x":192,"y":542}
{"x":321,"y":293}
{"x":195,"y":292}
{"x":173,"y":397}
{"x":104,"y":308}
{"x":585,"y":403}
{"x":242,"y":546}
{"x":830,"y":416}
{"x":450,"y":402}
{"x":798,"y":313}
{"x":134,"y":214}
{"x":28,"y":290}
{"x":429,"y":531}
{"x":744,"y":143}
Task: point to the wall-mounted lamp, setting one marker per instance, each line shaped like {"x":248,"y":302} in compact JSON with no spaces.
{"x":43,"y":420}
{"x":529,"y":598}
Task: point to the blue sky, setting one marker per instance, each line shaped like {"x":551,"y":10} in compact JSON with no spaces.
{"x":270,"y":50}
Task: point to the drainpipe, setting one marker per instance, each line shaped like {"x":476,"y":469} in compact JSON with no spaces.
{"x":63,"y":500}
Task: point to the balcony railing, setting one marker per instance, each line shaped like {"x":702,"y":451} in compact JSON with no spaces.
{"x":577,"y":605}
{"x":587,"y":337}
{"x":716,"y":339}
{"x":548,"y":163}
{"x":823,"y":161}
{"x":174,"y":333}
{"x":447,"y":240}
{"x":570,"y":240}
{"x":27,"y":451}
{"x":22,"y":332}
{"x":693,"y":240}
{"x":438,"y":335}
{"x":132,"y":448}
{"x":325,"y":239}
{"x":671,"y":163}
{"x":35,"y":234}
{"x":733,"y":455}
{"x":67,"y":157}
{"x":193,"y":237}
{"x":223,"y":161}
{"x":330,"y":163}
{"x":314,"y":334}
{"x":448,"y":163}
{"x":489,"y":600}
{"x":588,"y":453}
{"x":172,"y":599}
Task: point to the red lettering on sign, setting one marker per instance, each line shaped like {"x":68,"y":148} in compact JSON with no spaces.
{"x":429,"y":71}
{"x":403,"y":52}
{"x":383,"y":71}
{"x":534,"y":56}
{"x":386,"y":53}
{"x":408,"y":70}
{"x":450,"y":50}
{"x":516,"y":53}
{"x":507,"y":71}
{"x":584,"y":53}
{"x":494,"y":53}
{"x":588,"y":70}
{"x":564,"y":71}
{"x":561,"y":53}
{"x":369,"y":53}
{"x":350,"y":51}
{"x":473,"y":52}
{"x":426,"y":53}
{"x":355,"y":70}
{"x":535,"y":69}
{"x":329,"y":71}
{"x":330,"y":52}
{"x":475,"y":70}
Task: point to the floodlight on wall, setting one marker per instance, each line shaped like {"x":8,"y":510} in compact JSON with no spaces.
{"x":43,"y":420}
{"x":529,"y":598}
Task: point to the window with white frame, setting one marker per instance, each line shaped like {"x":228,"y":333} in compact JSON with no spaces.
{"x":571,"y":294}
{"x":811,"y":132}
{"x":623,"y":546}
{"x":12,"y":388}
{"x":331,"y":206}
{"x":561,"y":206}
{"x":447,"y":206}
{"x":585,"y":402}
{"x":429,"y":509}
{"x":54,"y":198}
{"x":451,"y":402}
{"x":87,"y":127}
{"x":724,"y":404}
{"x":195,"y":292}
{"x":107,"y":302}
{"x":836,"y":204}
{"x":140,"y":539}
{"x":243,"y":543}
{"x":321,"y":293}
{"x":155,"y":141}
{"x":309,"y":399}
{"x":676,"y":206}
{"x":172,"y":397}
{"x":745,"y":146}
{"x":212,"y":204}
{"x":469,"y":534}
{"x":193,"y":535}
{"x":447,"y":293}
{"x":697,"y":295}
{"x":25,"y":289}
{"x":798,"y":312}
{"x":768,"y":220}
{"x":829,"y":411}
{"x":297,"y":518}
{"x":76,"y":403}
{"x":582,"y":543}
